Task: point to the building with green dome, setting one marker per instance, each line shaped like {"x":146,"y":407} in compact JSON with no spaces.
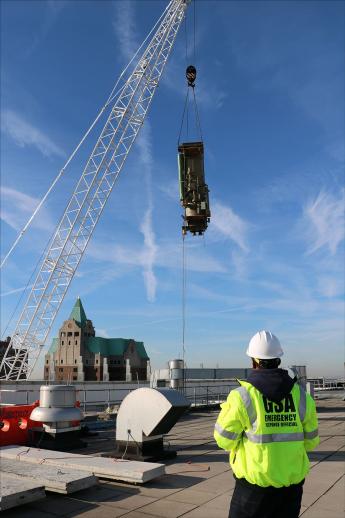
{"x":77,"y":354}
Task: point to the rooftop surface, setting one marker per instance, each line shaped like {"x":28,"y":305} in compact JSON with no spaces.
{"x":199,"y":482}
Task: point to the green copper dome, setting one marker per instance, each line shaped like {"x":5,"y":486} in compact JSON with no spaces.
{"x":78,"y":313}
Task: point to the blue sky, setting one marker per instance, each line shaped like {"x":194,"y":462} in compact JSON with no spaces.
{"x":270,"y":89}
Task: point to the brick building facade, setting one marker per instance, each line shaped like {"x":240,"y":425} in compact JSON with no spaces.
{"x":77,"y":354}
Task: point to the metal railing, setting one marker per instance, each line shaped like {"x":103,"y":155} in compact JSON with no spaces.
{"x":328,"y":384}
{"x":99,"y":399}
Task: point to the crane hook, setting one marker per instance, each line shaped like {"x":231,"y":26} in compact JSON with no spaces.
{"x":191,"y":75}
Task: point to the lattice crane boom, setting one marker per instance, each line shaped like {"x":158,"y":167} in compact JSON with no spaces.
{"x":88,"y":200}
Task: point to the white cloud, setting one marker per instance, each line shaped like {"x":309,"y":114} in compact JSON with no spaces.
{"x":125,"y":29}
{"x":16,"y":290}
{"x":25,"y":134}
{"x":240,"y":263}
{"x":331,"y":286}
{"x":17,"y":207}
{"x":324,"y":221}
{"x":149,"y":255}
{"x":168,"y":255}
{"x":171,"y":190}
{"x":229,"y":225}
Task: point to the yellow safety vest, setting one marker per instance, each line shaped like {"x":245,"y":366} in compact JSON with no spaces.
{"x":268,"y":441}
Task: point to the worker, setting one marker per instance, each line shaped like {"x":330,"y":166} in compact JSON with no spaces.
{"x":268,"y":425}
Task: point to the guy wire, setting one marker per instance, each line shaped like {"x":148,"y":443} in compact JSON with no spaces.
{"x":194,"y":29}
{"x":183,"y":298}
{"x":185,"y":109}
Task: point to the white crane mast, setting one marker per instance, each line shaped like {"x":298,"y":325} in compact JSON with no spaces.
{"x":87,"y":202}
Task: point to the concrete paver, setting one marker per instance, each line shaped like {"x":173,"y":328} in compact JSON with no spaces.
{"x":317,"y":512}
{"x":26,"y":512}
{"x":59,"y":505}
{"x":101,"y":511}
{"x":204,"y":512}
{"x":130,"y":502}
{"x":139,"y":514}
{"x":167,"y":508}
{"x":333,"y":499}
{"x":191,"y":496}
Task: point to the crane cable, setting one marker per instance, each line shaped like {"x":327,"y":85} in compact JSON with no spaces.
{"x":113,"y":94}
{"x":185,"y":116}
{"x":183,"y":298}
{"x":185,"y":112}
{"x":185,"y":108}
{"x":197,"y":118}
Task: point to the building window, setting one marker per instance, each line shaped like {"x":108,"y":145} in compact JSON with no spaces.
{"x":74,"y":378}
{"x":62,"y":334}
{"x":96,"y":361}
{"x":76,"y":333}
{"x":69,"y":333}
{"x":76,"y":342}
{"x":47,"y":362}
{"x":61,"y":361}
{"x":75,"y":361}
{"x":60,"y":370}
{"x":62,"y":342}
{"x":69,"y":342}
{"x":75,"y":369}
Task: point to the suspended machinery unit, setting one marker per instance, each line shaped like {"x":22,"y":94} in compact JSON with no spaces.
{"x":193,"y":189}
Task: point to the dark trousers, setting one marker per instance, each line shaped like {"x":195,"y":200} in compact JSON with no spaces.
{"x":251,"y":501}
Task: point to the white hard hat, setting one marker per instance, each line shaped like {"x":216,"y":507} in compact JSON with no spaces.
{"x":264,"y":346}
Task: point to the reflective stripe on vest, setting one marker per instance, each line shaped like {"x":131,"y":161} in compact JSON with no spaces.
{"x":224,"y":433}
{"x":311,"y":435}
{"x":247,"y":401}
{"x":274,"y":437}
{"x":281,"y":437}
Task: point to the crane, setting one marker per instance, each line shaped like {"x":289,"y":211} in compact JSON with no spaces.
{"x":84,"y":208}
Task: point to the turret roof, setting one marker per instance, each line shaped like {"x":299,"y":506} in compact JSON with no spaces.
{"x":78,"y":313}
